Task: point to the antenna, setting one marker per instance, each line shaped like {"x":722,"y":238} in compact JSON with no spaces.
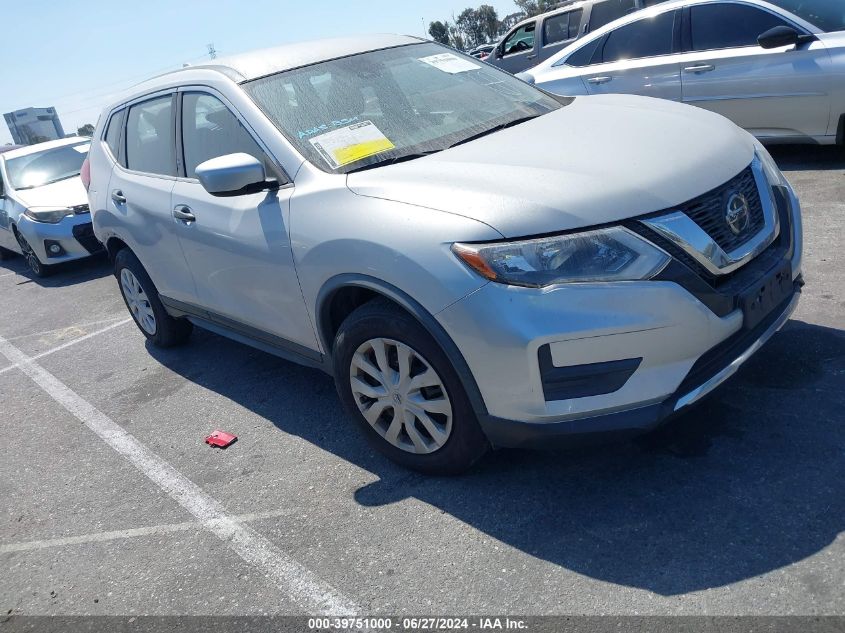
{"x":212,"y":53}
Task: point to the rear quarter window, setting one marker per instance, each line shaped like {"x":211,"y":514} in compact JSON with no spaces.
{"x":113,"y":133}
{"x":584,"y":55}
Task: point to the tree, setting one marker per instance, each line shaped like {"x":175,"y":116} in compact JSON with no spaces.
{"x":439,"y":32}
{"x":469,"y":25}
{"x":456,"y":40}
{"x":86,"y":130}
{"x":488,"y":20}
{"x":509,"y":21}
{"x":535,"y":7}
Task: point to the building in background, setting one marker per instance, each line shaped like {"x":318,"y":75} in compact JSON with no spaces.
{"x":34,"y":125}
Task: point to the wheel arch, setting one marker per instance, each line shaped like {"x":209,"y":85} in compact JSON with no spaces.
{"x":114,"y":245}
{"x":342,"y":294}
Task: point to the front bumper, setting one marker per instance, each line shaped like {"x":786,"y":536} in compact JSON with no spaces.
{"x":598,"y":358}
{"x":723,"y":363}
{"x":75,"y":235}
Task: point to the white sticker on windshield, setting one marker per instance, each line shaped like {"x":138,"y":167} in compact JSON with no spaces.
{"x":449,"y":63}
{"x":82,"y":149}
{"x":348,"y":144}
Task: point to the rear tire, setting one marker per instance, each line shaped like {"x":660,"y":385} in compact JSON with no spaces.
{"x":141,"y":298}
{"x":399,"y":385}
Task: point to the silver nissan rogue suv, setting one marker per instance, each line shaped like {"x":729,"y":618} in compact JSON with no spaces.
{"x":476,"y":262}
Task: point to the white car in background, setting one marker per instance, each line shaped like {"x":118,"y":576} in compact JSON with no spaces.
{"x":43,"y":206}
{"x":775,"y":68}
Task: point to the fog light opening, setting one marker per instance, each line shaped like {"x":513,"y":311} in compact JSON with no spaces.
{"x":53,"y":248}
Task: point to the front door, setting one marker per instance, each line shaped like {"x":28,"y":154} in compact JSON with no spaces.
{"x":238,"y":247}
{"x":518,"y":51}
{"x":775,"y":92}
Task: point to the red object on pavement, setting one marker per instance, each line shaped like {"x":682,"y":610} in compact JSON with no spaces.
{"x":221,"y":439}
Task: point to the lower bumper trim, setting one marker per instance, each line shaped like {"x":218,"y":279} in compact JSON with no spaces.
{"x":514,"y":434}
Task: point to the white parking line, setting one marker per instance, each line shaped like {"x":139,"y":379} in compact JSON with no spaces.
{"x":67,"y":328}
{"x":153,"y":530}
{"x":58,"y":348}
{"x":299,"y":583}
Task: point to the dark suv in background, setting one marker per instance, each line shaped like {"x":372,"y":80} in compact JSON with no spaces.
{"x":536,"y":39}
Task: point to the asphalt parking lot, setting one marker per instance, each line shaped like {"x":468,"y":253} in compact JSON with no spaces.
{"x":112,"y":503}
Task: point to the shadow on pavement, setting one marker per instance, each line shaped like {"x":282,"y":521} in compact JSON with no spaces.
{"x":750,"y":481}
{"x":808,"y":157}
{"x":64,"y":274}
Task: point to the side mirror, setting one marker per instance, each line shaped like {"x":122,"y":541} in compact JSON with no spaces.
{"x":232,"y":175}
{"x":783,"y":36}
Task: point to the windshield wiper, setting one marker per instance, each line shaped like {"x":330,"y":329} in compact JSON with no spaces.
{"x":392,"y":161}
{"x":495,"y":128}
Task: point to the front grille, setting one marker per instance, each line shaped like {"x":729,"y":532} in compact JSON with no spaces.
{"x":84,"y":234}
{"x":708,"y":211}
{"x":81,"y":209}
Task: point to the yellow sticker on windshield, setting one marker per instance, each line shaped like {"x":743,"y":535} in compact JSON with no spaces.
{"x":351,"y":143}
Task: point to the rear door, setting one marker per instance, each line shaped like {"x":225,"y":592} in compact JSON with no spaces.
{"x":776,"y":92}
{"x":140,"y":191}
{"x":639,"y":58}
{"x":238,"y":247}
{"x":558,"y":30}
{"x":518,"y":50}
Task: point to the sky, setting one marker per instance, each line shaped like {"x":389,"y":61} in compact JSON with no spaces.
{"x":79,"y":56}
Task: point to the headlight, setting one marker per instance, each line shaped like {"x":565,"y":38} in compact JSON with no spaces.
{"x":612,"y":254}
{"x":50,"y":215}
{"x":770,"y":167}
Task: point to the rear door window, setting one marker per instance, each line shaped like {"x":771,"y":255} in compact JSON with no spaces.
{"x":727,"y":25}
{"x":650,"y":37}
{"x":150,"y":145}
{"x":556,"y":28}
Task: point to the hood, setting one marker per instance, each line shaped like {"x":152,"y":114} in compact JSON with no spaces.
{"x":600,"y":159}
{"x":65,"y":193}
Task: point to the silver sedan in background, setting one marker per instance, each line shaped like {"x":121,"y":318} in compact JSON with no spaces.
{"x":775,"y":68}
{"x":43,"y":206}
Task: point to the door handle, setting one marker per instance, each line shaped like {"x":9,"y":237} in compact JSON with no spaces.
{"x":701,"y":68}
{"x":599,"y":80}
{"x":183,"y":213}
{"x":118,"y":197}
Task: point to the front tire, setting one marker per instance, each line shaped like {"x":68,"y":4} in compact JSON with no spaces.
{"x":141,"y":299}
{"x":35,"y":266}
{"x":399,"y":385}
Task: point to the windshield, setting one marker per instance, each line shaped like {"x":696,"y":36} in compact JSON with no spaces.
{"x":48,"y":166}
{"x":827,"y":15}
{"x":392,"y":104}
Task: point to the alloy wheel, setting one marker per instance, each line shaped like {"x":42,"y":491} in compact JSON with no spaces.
{"x":401,"y":395}
{"x":29,"y":255}
{"x":138,"y":302}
